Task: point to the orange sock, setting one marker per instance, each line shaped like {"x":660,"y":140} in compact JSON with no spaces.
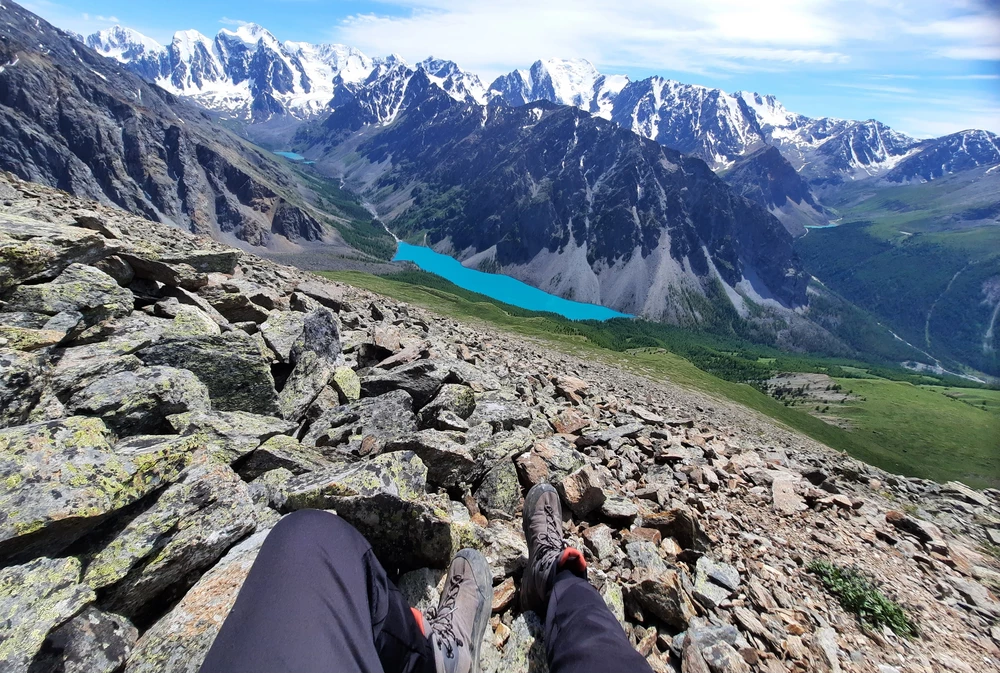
{"x":572,"y":559}
{"x":420,"y":620}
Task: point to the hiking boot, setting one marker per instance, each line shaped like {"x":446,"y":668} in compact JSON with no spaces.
{"x":547,"y":550}
{"x":456,"y":627}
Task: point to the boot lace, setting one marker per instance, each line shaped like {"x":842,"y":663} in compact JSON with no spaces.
{"x":549,"y":539}
{"x":442,"y":620}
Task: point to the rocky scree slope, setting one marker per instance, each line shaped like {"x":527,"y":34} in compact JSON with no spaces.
{"x":72,"y":119}
{"x":564,"y":201}
{"x":164,"y":400}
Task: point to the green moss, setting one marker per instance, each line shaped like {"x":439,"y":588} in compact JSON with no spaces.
{"x":859,"y":594}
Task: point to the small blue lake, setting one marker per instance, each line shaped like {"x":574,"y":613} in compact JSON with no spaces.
{"x":499,"y":287}
{"x":294,"y":157}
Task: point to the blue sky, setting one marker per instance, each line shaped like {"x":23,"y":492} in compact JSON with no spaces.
{"x":925,"y":67}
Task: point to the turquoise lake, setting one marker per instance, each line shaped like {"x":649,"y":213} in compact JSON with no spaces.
{"x":499,"y":287}
{"x":293,"y":156}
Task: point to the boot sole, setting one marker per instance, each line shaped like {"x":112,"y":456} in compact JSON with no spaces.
{"x":484,"y":582}
{"x":530,"y":503}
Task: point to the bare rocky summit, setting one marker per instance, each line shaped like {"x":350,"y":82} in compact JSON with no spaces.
{"x":164,"y":400}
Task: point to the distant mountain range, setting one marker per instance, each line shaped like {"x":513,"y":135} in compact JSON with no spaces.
{"x":249,"y":74}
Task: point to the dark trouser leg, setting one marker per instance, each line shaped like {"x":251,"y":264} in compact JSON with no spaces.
{"x":581,"y":634}
{"x":317,"y":600}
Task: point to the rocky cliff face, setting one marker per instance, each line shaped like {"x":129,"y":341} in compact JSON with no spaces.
{"x":569,"y":203}
{"x":75,"y":120}
{"x":164,"y":400}
{"x":766,"y":177}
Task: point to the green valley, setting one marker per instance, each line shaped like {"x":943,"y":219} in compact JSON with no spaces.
{"x":919,"y":425}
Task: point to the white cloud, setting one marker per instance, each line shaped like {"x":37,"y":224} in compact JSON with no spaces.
{"x":226,"y":21}
{"x":707,"y":36}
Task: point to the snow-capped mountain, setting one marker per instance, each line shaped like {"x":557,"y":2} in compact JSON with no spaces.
{"x":248,"y":73}
{"x":960,"y":151}
{"x":712,"y":124}
{"x":564,"y":81}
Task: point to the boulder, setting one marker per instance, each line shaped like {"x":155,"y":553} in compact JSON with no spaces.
{"x":383,"y":418}
{"x":582,"y":491}
{"x":419,"y":588}
{"x":421,"y":379}
{"x":230,"y":365}
{"x":281,"y":330}
{"x":525,"y":649}
{"x":570,"y":387}
{"x":501,"y":413}
{"x":232,"y":304}
{"x":569,"y":422}
{"x":187,"y":528}
{"x":179,"y":641}
{"x":309,"y":377}
{"x":682,"y":525}
{"x":784,"y":497}
{"x":59,"y":479}
{"x":504,"y":548}
{"x":347,"y":384}
{"x":714,"y":582}
{"x":320,"y":335}
{"x":665,"y":597}
{"x":282,"y":451}
{"x":448,"y":462}
{"x":21,"y":385}
{"x":32,"y":251}
{"x":550,"y":460}
{"x":205,"y":261}
{"x":645,"y":555}
{"x":384,"y":498}
{"x":453,"y":397}
{"x":499,"y":490}
{"x":92,"y":642}
{"x":619,"y":510}
{"x":81,"y":289}
{"x":922,"y":530}
{"x":327,"y":294}
{"x":234,"y":433}
{"x":598,"y":541}
{"x":606,"y":436}
{"x":966,"y":494}
{"x":176,"y":275}
{"x":35,"y":598}
{"x":135,"y":402}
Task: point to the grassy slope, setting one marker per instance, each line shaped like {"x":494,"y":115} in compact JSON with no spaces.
{"x":923,"y":442}
{"x":910,"y":248}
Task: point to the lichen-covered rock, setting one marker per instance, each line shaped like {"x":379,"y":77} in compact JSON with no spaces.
{"x":420,"y":587}
{"x":384,"y":498}
{"x":500,"y":490}
{"x":452,"y":397}
{"x":282,"y":451}
{"x":189,"y":527}
{"x":31,"y":250}
{"x":347,"y":383}
{"x":320,"y":335}
{"x":21,"y":385}
{"x":550,"y":460}
{"x":230,"y":365}
{"x":383,"y":418}
{"x":35,"y":598}
{"x":448,"y":462}
{"x":281,"y":330}
{"x":236,"y":433}
{"x":80,"y":288}
{"x":501,"y":413}
{"x":421,"y":379}
{"x":176,"y":275}
{"x":179,"y":641}
{"x":525,"y":650}
{"x":92,"y":642}
{"x":233,"y":304}
{"x":310,"y":375}
{"x":401,"y":474}
{"x":58,"y":479}
{"x":136,"y":402}
{"x":664,"y":596}
{"x":682,"y":525}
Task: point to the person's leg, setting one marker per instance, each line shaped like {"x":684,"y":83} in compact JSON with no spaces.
{"x":581,"y":634}
{"x":317,"y":599}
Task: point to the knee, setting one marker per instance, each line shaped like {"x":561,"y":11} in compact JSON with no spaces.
{"x":307,"y":528}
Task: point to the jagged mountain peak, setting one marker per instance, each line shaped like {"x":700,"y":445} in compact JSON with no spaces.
{"x":121,"y":42}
